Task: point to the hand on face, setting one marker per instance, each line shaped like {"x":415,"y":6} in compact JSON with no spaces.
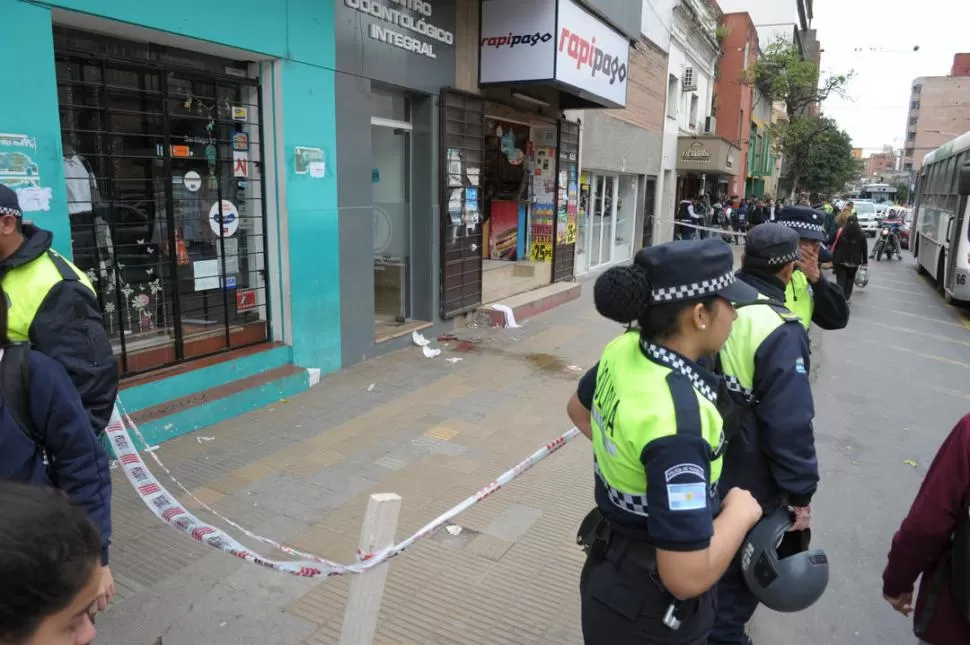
{"x":808,"y":263}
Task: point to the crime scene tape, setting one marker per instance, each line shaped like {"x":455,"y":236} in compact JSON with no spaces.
{"x":167,"y":508}
{"x":726,"y":232}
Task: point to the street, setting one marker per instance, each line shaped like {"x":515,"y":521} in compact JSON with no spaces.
{"x":887,"y":390}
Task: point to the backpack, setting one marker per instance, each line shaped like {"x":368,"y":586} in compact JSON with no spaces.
{"x":14,"y":387}
{"x":956,"y":566}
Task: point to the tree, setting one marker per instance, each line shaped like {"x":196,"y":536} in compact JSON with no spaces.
{"x":782,"y":75}
{"x":828,"y":164}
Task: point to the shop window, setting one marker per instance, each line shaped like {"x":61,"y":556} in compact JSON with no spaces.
{"x":672,"y":96}
{"x":162,"y":164}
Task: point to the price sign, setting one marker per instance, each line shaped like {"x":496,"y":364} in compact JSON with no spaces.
{"x":571,"y":233}
{"x":541,"y":251}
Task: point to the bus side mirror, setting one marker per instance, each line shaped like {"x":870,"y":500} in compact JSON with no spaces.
{"x":964,"y":179}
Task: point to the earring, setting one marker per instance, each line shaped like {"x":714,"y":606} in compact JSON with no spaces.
{"x":703,"y":326}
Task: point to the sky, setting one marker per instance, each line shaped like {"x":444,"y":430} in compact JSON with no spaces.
{"x":875,"y":110}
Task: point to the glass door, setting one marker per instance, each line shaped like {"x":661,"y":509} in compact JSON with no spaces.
{"x":391,"y":192}
{"x":626,"y":215}
{"x":603,"y":224}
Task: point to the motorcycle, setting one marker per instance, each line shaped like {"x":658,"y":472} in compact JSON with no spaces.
{"x":887,"y":243}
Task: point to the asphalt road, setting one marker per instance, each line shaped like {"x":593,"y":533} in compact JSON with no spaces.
{"x":889,"y":388}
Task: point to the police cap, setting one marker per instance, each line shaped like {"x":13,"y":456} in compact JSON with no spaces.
{"x":770,"y":246}
{"x":9,"y":204}
{"x":806,"y":221}
{"x":687,"y":270}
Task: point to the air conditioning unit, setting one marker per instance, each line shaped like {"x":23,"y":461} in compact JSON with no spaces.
{"x":710,"y":125}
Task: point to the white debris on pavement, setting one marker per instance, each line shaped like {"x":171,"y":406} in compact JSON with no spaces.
{"x":509,"y":315}
{"x":419,"y":339}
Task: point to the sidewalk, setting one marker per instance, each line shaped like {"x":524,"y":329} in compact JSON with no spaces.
{"x":429,"y":430}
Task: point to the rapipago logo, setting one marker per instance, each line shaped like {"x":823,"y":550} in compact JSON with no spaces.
{"x":511,"y":40}
{"x":586,"y":53}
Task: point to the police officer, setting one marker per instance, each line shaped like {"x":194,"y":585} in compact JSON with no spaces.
{"x":52,"y":304}
{"x":655,"y":548}
{"x":809,"y":295}
{"x":765,"y":363}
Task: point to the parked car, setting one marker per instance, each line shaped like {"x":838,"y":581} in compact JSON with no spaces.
{"x":866,"y":212}
{"x":907,"y":217}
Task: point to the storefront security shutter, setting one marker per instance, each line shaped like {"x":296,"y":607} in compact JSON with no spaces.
{"x":462,"y":153}
{"x":564,"y":255}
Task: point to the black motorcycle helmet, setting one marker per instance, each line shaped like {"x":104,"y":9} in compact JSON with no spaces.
{"x":778,"y":566}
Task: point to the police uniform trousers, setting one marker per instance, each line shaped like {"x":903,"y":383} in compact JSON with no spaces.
{"x":623,"y":603}
{"x":735,"y":605}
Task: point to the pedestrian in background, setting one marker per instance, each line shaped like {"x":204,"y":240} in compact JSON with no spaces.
{"x":850,"y":250}
{"x":49,"y":573}
{"x":936,"y":527}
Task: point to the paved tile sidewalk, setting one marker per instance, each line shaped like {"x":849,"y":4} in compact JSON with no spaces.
{"x":427,"y":429}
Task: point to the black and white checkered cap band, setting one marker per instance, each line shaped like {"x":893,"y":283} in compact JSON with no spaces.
{"x":636,"y":504}
{"x":16,"y":212}
{"x":783,"y":259}
{"x":693,"y":290}
{"x":676,"y":363}
{"x":818,"y":228}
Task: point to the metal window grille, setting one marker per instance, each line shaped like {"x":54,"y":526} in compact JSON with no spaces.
{"x":165,"y":194}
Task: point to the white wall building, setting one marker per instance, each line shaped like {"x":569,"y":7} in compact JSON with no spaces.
{"x":774,"y":19}
{"x":686,"y":28}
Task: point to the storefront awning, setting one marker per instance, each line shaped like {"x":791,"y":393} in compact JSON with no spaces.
{"x":707,"y":154}
{"x":556,"y":43}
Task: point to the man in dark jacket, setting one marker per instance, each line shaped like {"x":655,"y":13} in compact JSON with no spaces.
{"x":53,"y":305}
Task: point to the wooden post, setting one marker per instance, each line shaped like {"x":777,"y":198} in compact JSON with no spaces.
{"x":367,"y":589}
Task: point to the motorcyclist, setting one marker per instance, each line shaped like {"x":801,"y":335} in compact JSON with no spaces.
{"x":888,"y":241}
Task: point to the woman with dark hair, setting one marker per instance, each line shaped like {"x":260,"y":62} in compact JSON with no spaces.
{"x":50,"y":568}
{"x":46,"y":438}
{"x":850,"y":250}
{"x":660,"y":537}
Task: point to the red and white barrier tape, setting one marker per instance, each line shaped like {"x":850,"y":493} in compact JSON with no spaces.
{"x":720,"y":231}
{"x":167,"y":508}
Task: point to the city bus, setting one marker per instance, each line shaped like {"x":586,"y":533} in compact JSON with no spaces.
{"x":940,"y":239}
{"x":878,"y":193}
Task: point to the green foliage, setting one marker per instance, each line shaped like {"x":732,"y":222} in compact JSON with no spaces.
{"x":829,"y":164}
{"x":814,"y":148}
{"x":782,"y":75}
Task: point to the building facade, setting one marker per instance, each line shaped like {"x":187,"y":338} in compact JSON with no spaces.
{"x":262,"y":201}
{"x":706,"y":163}
{"x":620,"y":158}
{"x":937,"y":112}
{"x":881,"y":164}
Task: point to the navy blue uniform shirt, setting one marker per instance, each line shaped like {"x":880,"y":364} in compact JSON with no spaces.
{"x":80,"y":465}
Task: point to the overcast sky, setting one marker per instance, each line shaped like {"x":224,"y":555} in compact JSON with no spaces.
{"x":875,"y":111}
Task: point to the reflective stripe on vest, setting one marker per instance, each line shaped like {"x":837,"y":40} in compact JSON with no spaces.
{"x":27,"y":287}
{"x":647,"y":413}
{"x":753,"y":325}
{"x":800,"y":298}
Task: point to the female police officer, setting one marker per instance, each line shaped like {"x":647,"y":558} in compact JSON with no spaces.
{"x":656,"y":550}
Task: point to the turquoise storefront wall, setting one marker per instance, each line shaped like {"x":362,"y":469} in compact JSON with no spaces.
{"x":300,"y":34}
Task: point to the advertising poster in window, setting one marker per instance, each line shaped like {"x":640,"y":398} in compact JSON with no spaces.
{"x":544,"y":206}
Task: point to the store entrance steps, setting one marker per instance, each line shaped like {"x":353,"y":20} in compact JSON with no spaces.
{"x":505,"y":279}
{"x":528,"y":304}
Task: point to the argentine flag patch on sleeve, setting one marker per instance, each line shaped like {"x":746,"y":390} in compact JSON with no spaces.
{"x":687,"y":497}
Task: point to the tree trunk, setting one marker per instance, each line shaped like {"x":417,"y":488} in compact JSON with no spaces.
{"x":794,"y":187}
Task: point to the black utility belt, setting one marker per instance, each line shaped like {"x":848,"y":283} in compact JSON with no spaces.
{"x":601,"y":541}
